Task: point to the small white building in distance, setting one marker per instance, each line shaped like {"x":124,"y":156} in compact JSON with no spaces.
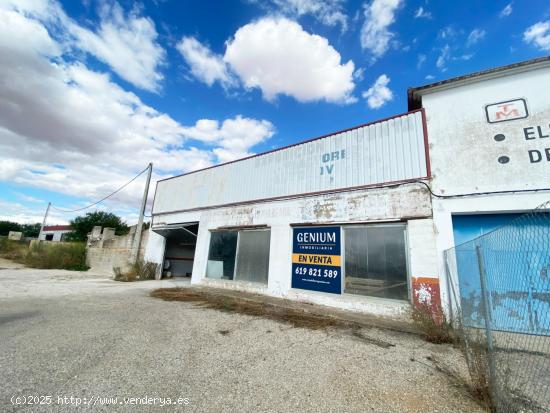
{"x":54,"y":232}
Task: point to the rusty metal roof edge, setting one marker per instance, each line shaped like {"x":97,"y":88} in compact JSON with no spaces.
{"x":479,"y":76}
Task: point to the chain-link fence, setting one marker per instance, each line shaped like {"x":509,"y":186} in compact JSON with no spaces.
{"x":500,"y":289}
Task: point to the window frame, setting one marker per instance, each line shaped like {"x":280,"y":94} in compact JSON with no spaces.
{"x":407,"y":258}
{"x":238,"y":230}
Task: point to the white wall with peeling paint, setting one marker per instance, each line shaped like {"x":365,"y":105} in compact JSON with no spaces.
{"x":410,"y":203}
{"x":466,"y":152}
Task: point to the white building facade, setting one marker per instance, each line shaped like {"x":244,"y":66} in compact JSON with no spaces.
{"x":360,"y":219}
{"x":342,"y":220}
{"x":489,"y":143}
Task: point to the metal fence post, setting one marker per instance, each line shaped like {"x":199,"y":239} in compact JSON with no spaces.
{"x":448,"y":282}
{"x":488,"y":331}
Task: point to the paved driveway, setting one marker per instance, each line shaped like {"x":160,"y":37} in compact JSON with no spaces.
{"x":71,"y":338}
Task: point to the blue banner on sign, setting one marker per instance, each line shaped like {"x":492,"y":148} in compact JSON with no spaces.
{"x":316,"y":263}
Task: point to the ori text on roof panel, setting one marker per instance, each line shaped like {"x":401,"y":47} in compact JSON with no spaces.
{"x":386,"y":151}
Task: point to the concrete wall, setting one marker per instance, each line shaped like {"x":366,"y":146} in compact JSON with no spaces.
{"x":102,"y":256}
{"x":465,"y":155}
{"x":410,"y":203}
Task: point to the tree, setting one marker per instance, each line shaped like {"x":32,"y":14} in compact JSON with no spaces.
{"x":31,"y":230}
{"x":28,"y":230}
{"x":7,"y":226}
{"x":83,"y":225}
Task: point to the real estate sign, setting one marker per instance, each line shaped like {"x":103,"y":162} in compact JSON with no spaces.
{"x":316,"y":259}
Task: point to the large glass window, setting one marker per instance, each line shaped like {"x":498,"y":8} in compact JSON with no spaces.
{"x":240,"y":255}
{"x":221,"y":257}
{"x":376,"y":261}
{"x":253,"y":256}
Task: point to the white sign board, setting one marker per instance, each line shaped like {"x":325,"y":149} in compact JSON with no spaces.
{"x":509,"y":110}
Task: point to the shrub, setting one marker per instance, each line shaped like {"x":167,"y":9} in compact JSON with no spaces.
{"x":433,"y":324}
{"x":140,"y":271}
{"x":62,"y":255}
{"x":13,"y":250}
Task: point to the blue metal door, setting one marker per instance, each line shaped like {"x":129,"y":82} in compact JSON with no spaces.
{"x":516,"y":260}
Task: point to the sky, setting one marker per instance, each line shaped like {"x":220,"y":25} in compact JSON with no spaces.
{"x":92,"y":91}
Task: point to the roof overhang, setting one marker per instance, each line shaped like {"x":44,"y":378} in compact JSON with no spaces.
{"x":164,"y":230}
{"x":414,"y":94}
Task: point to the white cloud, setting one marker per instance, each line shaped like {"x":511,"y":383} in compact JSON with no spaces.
{"x":421,"y":59}
{"x":506,"y":11}
{"x":127,"y":43}
{"x":279,"y":57}
{"x":475,"y":36}
{"x":375,"y":33}
{"x":447,"y":32}
{"x":328,"y":12}
{"x":68,"y":129}
{"x":443,"y":58}
{"x":422,"y":13}
{"x":203,"y":63}
{"x":28,"y":198}
{"x":378,"y":94}
{"x":22,"y":214}
{"x":538,"y":35}
{"x":234,"y":136}
{"x":464,"y":57}
{"x":429,"y":77}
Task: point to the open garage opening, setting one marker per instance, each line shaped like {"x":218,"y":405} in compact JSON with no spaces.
{"x":179,"y":250}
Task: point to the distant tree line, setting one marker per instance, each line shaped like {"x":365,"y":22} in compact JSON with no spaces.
{"x":28,"y":230}
{"x":81,"y":226}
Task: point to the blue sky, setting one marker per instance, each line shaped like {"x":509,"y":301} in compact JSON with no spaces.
{"x":97,"y":89}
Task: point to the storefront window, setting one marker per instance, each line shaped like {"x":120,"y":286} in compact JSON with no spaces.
{"x":240,"y":255}
{"x":221,"y":257}
{"x":375,"y":261}
{"x":253,"y":256}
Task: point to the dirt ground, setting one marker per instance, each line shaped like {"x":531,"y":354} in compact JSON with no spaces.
{"x":112,"y":347}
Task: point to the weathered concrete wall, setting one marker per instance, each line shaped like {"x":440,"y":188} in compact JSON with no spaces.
{"x":465,"y":150}
{"x":409,"y":203}
{"x":114,"y":252}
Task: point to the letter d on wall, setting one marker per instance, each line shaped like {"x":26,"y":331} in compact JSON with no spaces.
{"x":534,"y":156}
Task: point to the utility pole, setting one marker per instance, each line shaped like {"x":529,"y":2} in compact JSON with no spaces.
{"x":44,"y":221}
{"x":137,"y":236}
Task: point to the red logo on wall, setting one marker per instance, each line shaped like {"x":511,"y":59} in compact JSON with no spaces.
{"x":509,"y":110}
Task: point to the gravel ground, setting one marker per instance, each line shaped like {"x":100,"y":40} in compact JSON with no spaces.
{"x":77,"y":334}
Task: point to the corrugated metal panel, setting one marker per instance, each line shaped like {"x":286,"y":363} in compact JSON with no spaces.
{"x":387,"y":151}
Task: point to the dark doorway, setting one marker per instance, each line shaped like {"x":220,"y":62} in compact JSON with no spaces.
{"x":179,"y":252}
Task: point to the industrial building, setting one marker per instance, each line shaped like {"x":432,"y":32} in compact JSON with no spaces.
{"x":489,"y":136}
{"x":359,"y":219}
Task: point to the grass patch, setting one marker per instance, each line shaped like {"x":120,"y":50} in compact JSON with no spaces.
{"x":476,"y":354}
{"x":433,"y":324}
{"x":59,"y":255}
{"x":295,"y":317}
{"x":13,"y":250}
{"x":140,"y":271}
{"x":46,"y":255}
